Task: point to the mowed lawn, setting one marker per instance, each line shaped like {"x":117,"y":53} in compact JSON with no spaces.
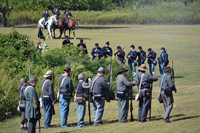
{"x":182,"y":43}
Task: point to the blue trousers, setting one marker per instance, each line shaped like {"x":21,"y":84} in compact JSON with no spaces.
{"x":144,"y":105}
{"x":98,"y":109}
{"x":47,"y":107}
{"x":80,"y":107}
{"x":132,"y":69}
{"x":151,"y":68}
{"x":161,"y":68}
{"x":32,"y":125}
{"x":64,"y":110}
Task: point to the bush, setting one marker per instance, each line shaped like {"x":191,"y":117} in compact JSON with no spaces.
{"x":16,"y":54}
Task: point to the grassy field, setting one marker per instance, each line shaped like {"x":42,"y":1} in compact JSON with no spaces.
{"x":182,"y":45}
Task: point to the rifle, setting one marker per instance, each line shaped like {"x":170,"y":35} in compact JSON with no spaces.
{"x":109,"y":79}
{"x":131,"y":105}
{"x":30,"y":75}
{"x":69,"y":64}
{"x":53,"y":110}
{"x":151,"y":87}
{"x":172,"y":73}
{"x":89,"y":106}
{"x":39,"y":116}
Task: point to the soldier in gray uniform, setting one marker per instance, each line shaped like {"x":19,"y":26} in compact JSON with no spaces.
{"x":123,"y":86}
{"x":81,"y":92}
{"x":167,"y":86}
{"x":66,"y":88}
{"x":145,"y":92}
{"x":22,"y":101}
{"x":98,"y":89}
{"x":48,"y":98}
{"x":32,"y":105}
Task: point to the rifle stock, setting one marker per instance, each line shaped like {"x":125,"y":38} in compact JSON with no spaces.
{"x":53,"y":110}
{"x":131,"y":104}
{"x":172,"y":72}
{"x":89,"y":106}
{"x":109,"y":77}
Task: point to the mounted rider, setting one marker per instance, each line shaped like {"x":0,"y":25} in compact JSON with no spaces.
{"x":45,"y":16}
{"x":69,"y":17}
{"x":57,"y":13}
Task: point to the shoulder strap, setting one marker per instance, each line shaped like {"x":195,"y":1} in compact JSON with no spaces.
{"x":62,"y":82}
{"x":162,"y":81}
{"x":77,"y":88}
{"x":26,"y":89}
{"x":44,"y":83}
{"x":141,"y":81}
{"x":93,"y":82}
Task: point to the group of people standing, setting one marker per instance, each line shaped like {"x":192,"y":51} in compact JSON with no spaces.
{"x":97,"y":87}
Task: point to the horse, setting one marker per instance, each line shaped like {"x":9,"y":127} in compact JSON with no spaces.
{"x":71,"y":26}
{"x":61,"y":25}
{"x":52,"y":20}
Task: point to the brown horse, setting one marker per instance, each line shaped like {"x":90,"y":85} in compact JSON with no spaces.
{"x":61,"y":25}
{"x":71,"y":26}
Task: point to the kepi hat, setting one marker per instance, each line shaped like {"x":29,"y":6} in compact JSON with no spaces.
{"x":33,"y":79}
{"x":121,"y":70}
{"x":81,"y":76}
{"x":101,"y":69}
{"x":143,"y":67}
{"x":48,"y":73}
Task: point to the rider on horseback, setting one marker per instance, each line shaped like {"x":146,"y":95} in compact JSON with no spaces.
{"x":46,"y":17}
{"x":69,"y":16}
{"x":57,"y":13}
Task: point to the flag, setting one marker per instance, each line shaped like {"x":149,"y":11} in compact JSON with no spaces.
{"x":40,"y":34}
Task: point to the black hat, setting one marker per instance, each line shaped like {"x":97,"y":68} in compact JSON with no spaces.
{"x":67,"y":10}
{"x":96,"y":44}
{"x":107,"y":43}
{"x":121,"y":70}
{"x":81,"y":40}
{"x":132,"y":46}
{"x":67,"y":69}
{"x":118,"y":47}
{"x":139,"y":47}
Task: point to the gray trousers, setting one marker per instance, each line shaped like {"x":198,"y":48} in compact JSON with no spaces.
{"x":23,"y":118}
{"x":98,"y":109}
{"x":123,"y":108}
{"x":167,"y":103}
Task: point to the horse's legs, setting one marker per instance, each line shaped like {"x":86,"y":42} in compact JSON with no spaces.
{"x":54,"y":32}
{"x":74,"y":34}
{"x":64,"y":33}
{"x":61,"y":31}
{"x":49,"y":31}
{"x":69,"y":33}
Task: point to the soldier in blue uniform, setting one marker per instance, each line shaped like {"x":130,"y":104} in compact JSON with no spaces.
{"x":132,"y":55}
{"x":143,"y":81}
{"x":57,"y":13}
{"x":107,"y":51}
{"x":66,"y":41}
{"x":46,"y":17}
{"x":120,"y":54}
{"x":163,"y":60}
{"x":82,"y":46}
{"x":151,"y":60}
{"x":141,"y":56}
{"x":69,"y":16}
{"x":96,"y":52}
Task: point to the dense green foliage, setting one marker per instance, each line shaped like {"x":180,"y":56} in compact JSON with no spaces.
{"x":157,"y":13}
{"x":16,"y":54}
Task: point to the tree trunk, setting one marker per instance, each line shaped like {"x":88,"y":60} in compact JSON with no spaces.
{"x":4,"y":19}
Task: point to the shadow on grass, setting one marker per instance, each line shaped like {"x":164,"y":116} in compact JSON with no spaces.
{"x":110,"y":122}
{"x":185,"y":118}
{"x":26,"y":26}
{"x":155,"y":118}
{"x":99,"y":27}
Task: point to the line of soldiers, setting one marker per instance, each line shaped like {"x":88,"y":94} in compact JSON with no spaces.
{"x":98,"y":88}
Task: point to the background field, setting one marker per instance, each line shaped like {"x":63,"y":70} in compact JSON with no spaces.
{"x":182,"y":45}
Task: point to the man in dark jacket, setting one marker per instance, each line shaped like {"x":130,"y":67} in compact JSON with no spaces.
{"x":57,"y":13}
{"x":163,"y":60}
{"x":65,"y":90}
{"x":143,"y":81}
{"x":81,"y":92}
{"x":32,"y":105}
{"x":167,"y":86}
{"x":96,"y":52}
{"x":151,"y":59}
{"x":82,"y":46}
{"x":141,"y":56}
{"x":120,"y":54}
{"x":66,"y":41}
{"x":107,"y":51}
{"x":123,"y":86}
{"x":48,"y":98}
{"x":132,"y":55}
{"x":98,"y":88}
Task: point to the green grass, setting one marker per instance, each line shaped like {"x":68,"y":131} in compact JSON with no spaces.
{"x":182,"y":45}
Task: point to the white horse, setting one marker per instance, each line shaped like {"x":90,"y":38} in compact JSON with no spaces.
{"x":52,"y":20}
